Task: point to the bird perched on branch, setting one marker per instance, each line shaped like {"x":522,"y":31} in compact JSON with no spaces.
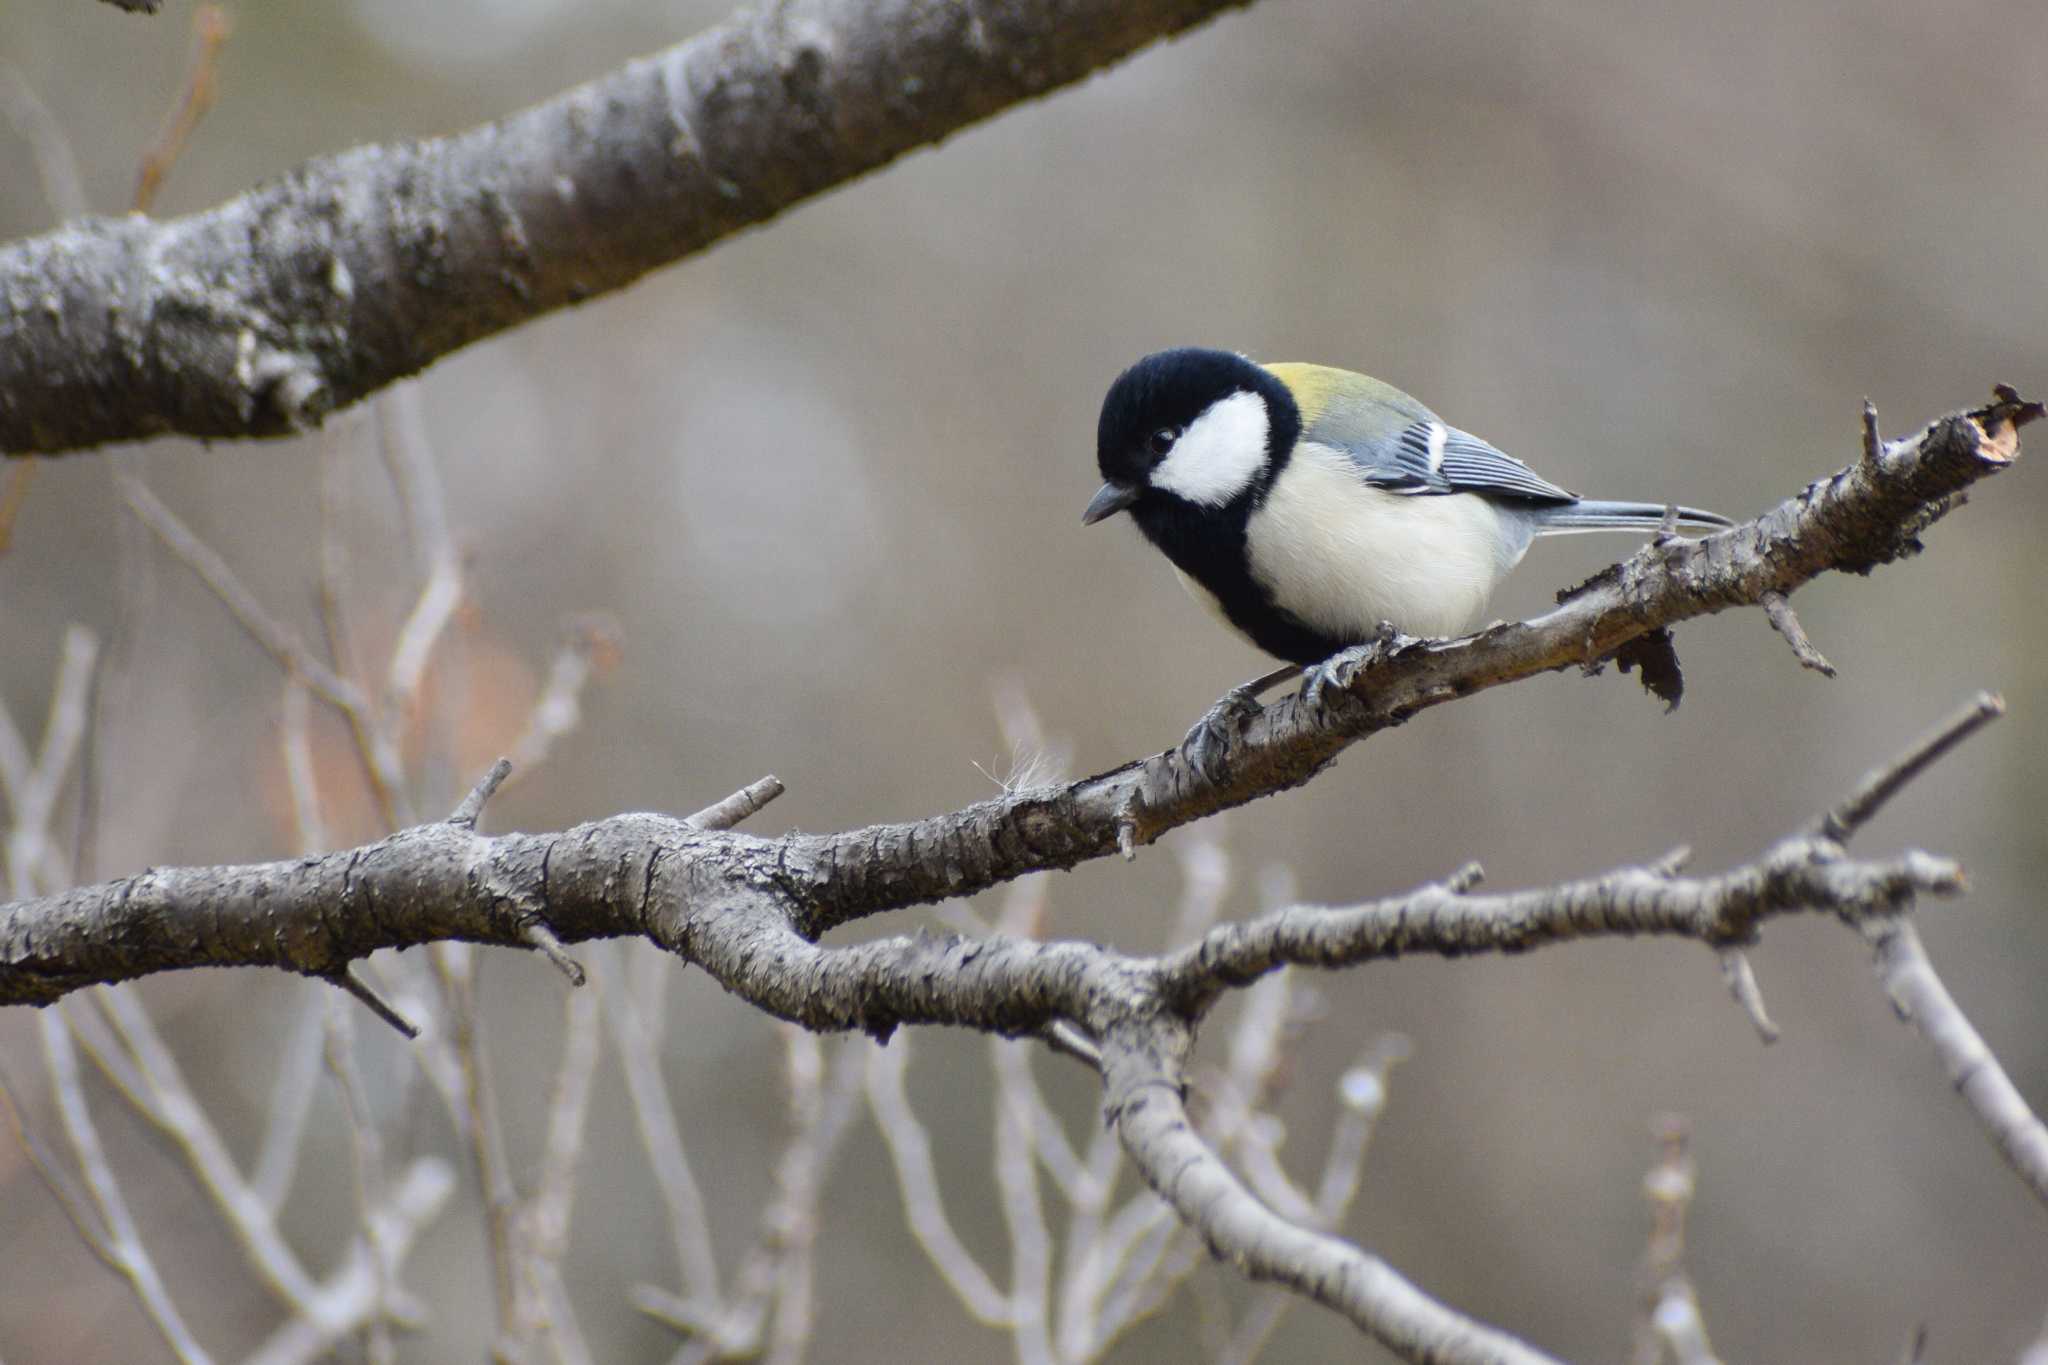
{"x":1307,"y":505}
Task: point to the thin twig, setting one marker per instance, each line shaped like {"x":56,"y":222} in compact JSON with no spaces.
{"x":210,"y":30}
{"x":542,"y":939}
{"x":589,"y":651}
{"x":1873,"y":444}
{"x":654,"y":1115}
{"x":1016,"y":1169}
{"x":175,"y":1109}
{"x":910,"y":1150}
{"x":408,"y":456}
{"x":1670,"y":1323}
{"x":423,"y":629}
{"x":70,"y":1198}
{"x":354,"y":985}
{"x":350,"y":1296}
{"x":123,"y":1240}
{"x":376,"y":749}
{"x":295,"y":743}
{"x":276,"y":640}
{"x":1882,"y":784}
{"x":1778,"y":610}
{"x":1921,"y":999}
{"x":543,"y":1237}
{"x":366,"y":1151}
{"x":740,"y":805}
{"x":1361,"y":1095}
{"x":466,"y":815}
{"x":1742,"y":984}
{"x":291,"y":1102}
{"x":454,"y":966}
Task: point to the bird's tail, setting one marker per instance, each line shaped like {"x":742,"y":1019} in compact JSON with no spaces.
{"x":1591,"y":514}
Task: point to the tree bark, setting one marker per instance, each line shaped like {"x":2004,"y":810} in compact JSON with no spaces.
{"x":307,"y":294}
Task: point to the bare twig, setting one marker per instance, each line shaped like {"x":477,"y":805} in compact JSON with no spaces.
{"x":924,"y":1207}
{"x":356,"y":986}
{"x":1742,"y":984}
{"x":1361,"y":1095}
{"x":375,"y":746}
{"x":740,"y":805}
{"x":423,"y":628}
{"x":482,"y":1123}
{"x":122,"y":1240}
{"x":366,"y":1150}
{"x":295,"y":742}
{"x":408,"y":455}
{"x":654,"y":1114}
{"x":31,"y":786}
{"x":466,"y":815}
{"x":590,"y":649}
{"x":173,"y":1107}
{"x":1670,"y":1325}
{"x":210,"y":30}
{"x":542,"y":939}
{"x":1880,"y":785}
{"x":1016,"y":1171}
{"x":70,"y":1198}
{"x":1778,"y":609}
{"x":350,"y":1297}
{"x":276,"y":640}
{"x":291,"y":1101}
{"x":541,"y":1235}
{"x":1873,"y":444}
{"x":1145,"y":1105}
{"x":1920,"y":997}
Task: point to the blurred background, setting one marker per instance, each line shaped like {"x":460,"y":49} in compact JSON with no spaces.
{"x":826,"y":480}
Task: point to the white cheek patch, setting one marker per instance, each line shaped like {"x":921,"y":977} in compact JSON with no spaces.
{"x":1219,"y":454}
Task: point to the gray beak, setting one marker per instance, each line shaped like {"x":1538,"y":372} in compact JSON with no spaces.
{"x":1109,"y":500}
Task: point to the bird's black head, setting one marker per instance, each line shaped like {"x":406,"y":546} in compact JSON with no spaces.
{"x":1201,"y":427}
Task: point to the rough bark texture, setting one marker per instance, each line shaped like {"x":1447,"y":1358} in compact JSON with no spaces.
{"x":677,"y":880}
{"x":304,"y":295}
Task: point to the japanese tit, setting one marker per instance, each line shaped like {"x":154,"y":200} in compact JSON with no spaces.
{"x":1306,"y":505}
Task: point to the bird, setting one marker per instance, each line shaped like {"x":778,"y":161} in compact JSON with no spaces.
{"x":1311,"y":507}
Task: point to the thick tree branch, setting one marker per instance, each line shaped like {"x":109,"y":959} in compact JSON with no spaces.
{"x":304,"y":295}
{"x":749,"y":909}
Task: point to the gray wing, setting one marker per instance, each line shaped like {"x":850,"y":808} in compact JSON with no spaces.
{"x":1430,"y":457}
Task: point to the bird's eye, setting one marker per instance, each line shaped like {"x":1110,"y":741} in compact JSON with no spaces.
{"x":1161,"y":441}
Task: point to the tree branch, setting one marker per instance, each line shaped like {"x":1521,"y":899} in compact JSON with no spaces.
{"x":1145,"y":1102}
{"x":1866,"y":515}
{"x":260,"y":316}
{"x":749,"y":909}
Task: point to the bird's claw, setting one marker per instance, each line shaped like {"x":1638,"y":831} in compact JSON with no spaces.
{"x":1338,"y":671}
{"x":1208,"y":741}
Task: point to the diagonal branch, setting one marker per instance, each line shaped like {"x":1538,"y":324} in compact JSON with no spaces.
{"x":750,"y":909}
{"x":1145,"y":1103}
{"x":260,"y":316}
{"x":1868,"y":514}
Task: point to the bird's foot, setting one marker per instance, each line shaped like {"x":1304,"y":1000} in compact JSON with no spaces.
{"x":1331,"y":679}
{"x":1207,"y":744}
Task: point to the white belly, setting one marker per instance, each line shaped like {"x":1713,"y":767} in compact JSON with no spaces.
{"x":1344,"y":556}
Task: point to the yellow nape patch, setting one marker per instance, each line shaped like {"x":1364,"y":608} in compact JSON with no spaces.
{"x":1312,"y":386}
